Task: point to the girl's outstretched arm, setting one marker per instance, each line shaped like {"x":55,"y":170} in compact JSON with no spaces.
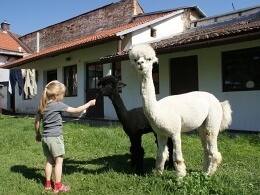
{"x":81,"y":108}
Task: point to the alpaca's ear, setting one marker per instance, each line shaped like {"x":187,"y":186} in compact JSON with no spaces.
{"x":120,"y":85}
{"x":155,"y":60}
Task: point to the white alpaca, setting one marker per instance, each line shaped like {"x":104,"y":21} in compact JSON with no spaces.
{"x":180,"y":113}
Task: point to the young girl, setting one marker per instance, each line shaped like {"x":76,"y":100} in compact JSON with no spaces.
{"x":49,"y":111}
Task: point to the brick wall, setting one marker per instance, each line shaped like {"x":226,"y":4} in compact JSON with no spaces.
{"x":103,"y":18}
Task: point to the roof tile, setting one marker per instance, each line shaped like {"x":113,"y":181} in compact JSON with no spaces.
{"x":8,"y":43}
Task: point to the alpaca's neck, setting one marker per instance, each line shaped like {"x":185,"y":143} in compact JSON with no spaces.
{"x":119,"y":106}
{"x":148,"y":93}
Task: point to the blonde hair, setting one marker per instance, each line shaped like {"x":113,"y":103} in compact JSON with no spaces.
{"x":54,"y":90}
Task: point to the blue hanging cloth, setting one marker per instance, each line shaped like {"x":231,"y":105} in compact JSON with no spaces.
{"x":16,"y":76}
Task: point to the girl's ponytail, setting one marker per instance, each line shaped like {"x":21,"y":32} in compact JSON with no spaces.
{"x":43,"y":101}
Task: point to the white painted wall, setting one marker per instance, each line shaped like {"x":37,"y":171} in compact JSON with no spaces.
{"x":245,"y":104}
{"x":166,"y":28}
{"x":80,"y":58}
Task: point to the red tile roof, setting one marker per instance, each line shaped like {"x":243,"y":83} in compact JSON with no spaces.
{"x":7,"y":42}
{"x":99,"y":37}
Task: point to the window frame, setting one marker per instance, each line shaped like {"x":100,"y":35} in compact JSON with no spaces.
{"x":71,"y":89}
{"x":241,"y":70}
{"x":156,"y":77}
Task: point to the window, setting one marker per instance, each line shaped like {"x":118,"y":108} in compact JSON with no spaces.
{"x":51,"y":75}
{"x":241,"y":70}
{"x":116,"y":71}
{"x":70,"y":80}
{"x":156,"y":77}
{"x":153,"y":32}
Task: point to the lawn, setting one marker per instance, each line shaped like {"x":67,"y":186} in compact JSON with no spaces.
{"x":97,"y":161}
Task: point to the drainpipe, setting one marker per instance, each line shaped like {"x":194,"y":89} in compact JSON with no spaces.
{"x":119,"y":49}
{"x":119,"y":45}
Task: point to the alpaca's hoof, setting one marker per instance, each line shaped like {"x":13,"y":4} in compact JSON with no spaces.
{"x":181,"y":173}
{"x":180,"y":169}
{"x":159,"y":171}
{"x":139,"y":172}
{"x":214,"y":163}
{"x":212,"y":169}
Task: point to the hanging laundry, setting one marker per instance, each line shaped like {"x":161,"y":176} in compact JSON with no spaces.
{"x":30,"y":86}
{"x":16,"y":76}
{"x":33,"y":82}
{"x":5,"y":77}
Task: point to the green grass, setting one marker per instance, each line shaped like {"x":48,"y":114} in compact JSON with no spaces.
{"x":97,"y":162}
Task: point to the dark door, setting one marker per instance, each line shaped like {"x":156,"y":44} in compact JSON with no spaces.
{"x":94,"y":73}
{"x":184,"y":75}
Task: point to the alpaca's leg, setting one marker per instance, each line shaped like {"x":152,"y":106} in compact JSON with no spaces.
{"x":139,"y":161}
{"x":132,"y":151}
{"x":162,"y":153}
{"x":215,"y":157}
{"x":212,"y":158}
{"x":137,"y":154}
{"x":203,"y":138}
{"x":170,"y":150}
{"x":178,"y":160}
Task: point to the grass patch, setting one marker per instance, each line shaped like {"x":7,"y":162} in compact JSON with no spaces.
{"x":97,"y":161}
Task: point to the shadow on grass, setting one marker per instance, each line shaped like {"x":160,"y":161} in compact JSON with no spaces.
{"x":29,"y":173}
{"x":117,"y":163}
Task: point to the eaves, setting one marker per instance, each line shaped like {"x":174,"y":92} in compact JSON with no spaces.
{"x":199,"y":44}
{"x":50,"y":52}
{"x":227,"y":34}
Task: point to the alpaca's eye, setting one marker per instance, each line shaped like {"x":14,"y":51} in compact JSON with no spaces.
{"x":135,"y":60}
{"x":149,"y":59}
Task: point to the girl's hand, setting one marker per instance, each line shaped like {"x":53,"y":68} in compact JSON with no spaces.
{"x":38,"y":138}
{"x":92,"y":102}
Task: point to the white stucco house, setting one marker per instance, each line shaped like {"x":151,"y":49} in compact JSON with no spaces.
{"x":219,"y":54}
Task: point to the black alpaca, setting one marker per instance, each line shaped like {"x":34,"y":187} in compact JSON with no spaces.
{"x":134,"y":122}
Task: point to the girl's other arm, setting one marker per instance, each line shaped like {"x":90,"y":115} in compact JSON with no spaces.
{"x":37,"y":123}
{"x":37,"y":127}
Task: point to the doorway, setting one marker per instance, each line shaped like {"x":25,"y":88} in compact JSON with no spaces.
{"x":184,"y":75}
{"x":94,"y":73}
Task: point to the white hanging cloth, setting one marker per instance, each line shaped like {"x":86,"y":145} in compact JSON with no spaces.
{"x":5,"y":77}
{"x":30,"y":85}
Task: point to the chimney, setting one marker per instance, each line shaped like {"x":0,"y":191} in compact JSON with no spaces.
{"x":5,"y":26}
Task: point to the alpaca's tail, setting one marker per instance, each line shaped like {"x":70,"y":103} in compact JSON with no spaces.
{"x":226,"y":118}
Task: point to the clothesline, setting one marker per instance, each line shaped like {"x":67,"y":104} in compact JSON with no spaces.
{"x":26,"y":79}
